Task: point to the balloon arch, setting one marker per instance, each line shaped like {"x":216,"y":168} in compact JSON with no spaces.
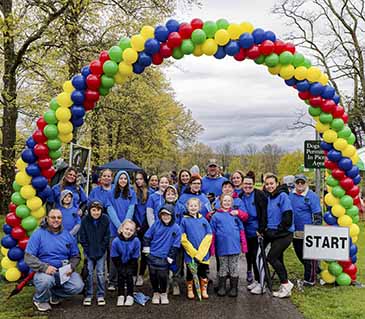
{"x":151,"y":46}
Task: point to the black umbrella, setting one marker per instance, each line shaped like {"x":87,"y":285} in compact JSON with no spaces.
{"x":262,"y":265}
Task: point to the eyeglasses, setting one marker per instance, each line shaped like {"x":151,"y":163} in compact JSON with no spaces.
{"x":248,"y":184}
{"x":300,"y":182}
{"x":196,"y":183}
{"x":55,"y":217}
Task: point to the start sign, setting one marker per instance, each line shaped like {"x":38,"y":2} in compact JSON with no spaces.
{"x":323,"y":242}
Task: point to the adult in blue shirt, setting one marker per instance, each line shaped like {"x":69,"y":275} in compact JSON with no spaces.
{"x":101,"y":192}
{"x":49,"y":248}
{"x":212,"y":182}
{"x":307,"y":211}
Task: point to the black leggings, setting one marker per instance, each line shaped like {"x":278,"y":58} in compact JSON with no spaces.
{"x":202,"y":272}
{"x":125,"y":276}
{"x":311,"y":267}
{"x":251,"y":254}
{"x":159,"y":279}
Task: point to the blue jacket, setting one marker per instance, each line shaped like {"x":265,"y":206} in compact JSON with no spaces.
{"x":212,"y":185}
{"x":179,"y":210}
{"x":155,"y":201}
{"x":126,"y":249}
{"x":70,"y":217}
{"x":79,"y":196}
{"x":99,"y":194}
{"x":252,"y":224}
{"x":204,"y":201}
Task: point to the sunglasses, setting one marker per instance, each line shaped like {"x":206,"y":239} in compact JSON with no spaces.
{"x":55,"y":217}
{"x":300,"y":182}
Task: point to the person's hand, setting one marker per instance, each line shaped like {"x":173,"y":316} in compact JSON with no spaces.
{"x":169,"y":260}
{"x":234,"y":212}
{"x":79,"y":212}
{"x":51,"y":270}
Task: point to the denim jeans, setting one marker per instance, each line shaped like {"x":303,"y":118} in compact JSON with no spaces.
{"x":99,"y":266}
{"x":46,"y":286}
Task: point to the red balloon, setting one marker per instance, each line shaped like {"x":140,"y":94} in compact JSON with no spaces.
{"x":157,"y":58}
{"x":104,"y":56}
{"x":346,"y":183}
{"x":91,"y":95}
{"x":41,"y":123}
{"x":49,"y":172}
{"x":12,"y":220}
{"x":89,"y":105}
{"x":96,"y":67}
{"x":345,"y":118}
{"x":12,"y":207}
{"x":185,"y":30}
{"x":45,"y":162}
{"x":93,"y":82}
{"x":353,"y":277}
{"x":329,"y":164}
{"x":357,"y":201}
{"x":39,"y":137}
{"x":338,"y":112}
{"x":267,"y":47}
{"x":354,"y":191}
{"x":41,"y":150}
{"x":315,"y":101}
{"x":253,"y":52}
{"x":304,"y":95}
{"x":345,"y":263}
{"x":165,"y":50}
{"x":196,"y":24}
{"x":290,"y":47}
{"x":18,"y":232}
{"x":351,"y":270}
{"x":174,"y":40}
{"x":338,"y":174}
{"x":240,"y":56}
{"x":328,"y":106}
{"x":22,"y":243}
{"x":279,"y":47}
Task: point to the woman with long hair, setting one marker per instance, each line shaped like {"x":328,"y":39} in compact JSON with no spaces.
{"x":183,"y":181}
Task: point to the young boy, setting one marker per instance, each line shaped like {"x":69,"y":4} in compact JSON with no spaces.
{"x":161,"y":242}
{"x":94,"y":238}
{"x":70,"y":219}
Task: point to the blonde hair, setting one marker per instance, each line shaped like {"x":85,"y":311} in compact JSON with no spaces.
{"x":194,"y":199}
{"x":224,"y":195}
{"x":127,"y":221}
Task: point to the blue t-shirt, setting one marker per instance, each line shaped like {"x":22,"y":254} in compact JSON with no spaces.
{"x":212,"y":185}
{"x":252,"y":224}
{"x":275,"y":208}
{"x":204,"y":201}
{"x":100,"y":194}
{"x":155,"y":201}
{"x":70,"y":217}
{"x":140,"y":211}
{"x":126,"y":249}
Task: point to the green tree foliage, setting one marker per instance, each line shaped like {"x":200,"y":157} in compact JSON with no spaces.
{"x":290,"y":164}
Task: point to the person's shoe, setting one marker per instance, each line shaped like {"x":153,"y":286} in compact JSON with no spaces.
{"x":249,"y":277}
{"x":222,"y":286}
{"x":190,"y":290}
{"x":175,"y":289}
{"x":111,"y":287}
{"x":129,"y":301}
{"x":139,"y":281}
{"x":42,"y":306}
{"x":258,"y":290}
{"x":285,"y":290}
{"x":164,"y":299}
{"x":276,"y":293}
{"x":253,"y":285}
{"x":234,"y":287}
{"x":155,"y":298}
{"x":204,"y":287}
{"x":120,"y":301}
{"x":87,"y":301}
{"x":101,"y":301}
{"x":308,"y":283}
{"x":54,"y":301}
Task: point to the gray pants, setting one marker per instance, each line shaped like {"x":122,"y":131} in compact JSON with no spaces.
{"x":228,"y":265}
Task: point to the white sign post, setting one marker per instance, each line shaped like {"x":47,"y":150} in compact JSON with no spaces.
{"x":323,"y":242}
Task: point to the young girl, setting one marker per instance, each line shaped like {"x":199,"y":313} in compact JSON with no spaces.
{"x":183,"y":181}
{"x":228,"y":242}
{"x":156,"y":200}
{"x":196,"y":239}
{"x":161,"y":242}
{"x":125,"y":251}
{"x":153,"y":184}
{"x":70,"y":218}
{"x":100,"y":193}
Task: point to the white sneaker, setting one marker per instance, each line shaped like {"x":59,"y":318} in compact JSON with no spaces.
{"x":155,"y":298}
{"x":164,"y":299}
{"x":111,"y":287}
{"x":87,"y":301}
{"x":139,"y":281}
{"x":258,"y":290}
{"x":129,"y":301}
{"x":175,"y":289}
{"x":253,"y":285}
{"x":120,"y":301}
{"x":284,"y":291}
{"x":101,"y":301}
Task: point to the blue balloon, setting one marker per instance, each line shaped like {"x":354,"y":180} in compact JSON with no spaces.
{"x":291,"y":82}
{"x":15,"y":254}
{"x":303,"y":85}
{"x":8,"y":241}
{"x":151,"y":46}
{"x":326,"y":146}
{"x":78,"y":82}
{"x":85,"y":71}
{"x":28,"y":156}
{"x":258,"y":35}
{"x":357,"y":179}
{"x":354,"y":259}
{"x":77,"y":111}
{"x":144,"y":59}
{"x":33,"y":170}
{"x":77,"y":122}
{"x":7,"y":229}
{"x":22,"y":266}
{"x":30,"y":142}
{"x":329,"y":218}
{"x":353,"y":250}
{"x":334,"y":155}
{"x":246,"y":40}
{"x":77,"y":97}
{"x":269,"y":35}
{"x":336,"y":99}
{"x":137,"y":68}
{"x":345,"y":163}
{"x":220,"y":54}
{"x":316,"y":89}
{"x":172,"y":25}
{"x":328,"y":92}
{"x":354,"y":171}
{"x":232,"y":48}
{"x":161,"y":33}
{"x":39,"y":183}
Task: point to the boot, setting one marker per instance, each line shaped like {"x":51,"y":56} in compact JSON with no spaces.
{"x":234,"y":287}
{"x":221,"y":286}
{"x":190,"y":289}
{"x":204,"y":287}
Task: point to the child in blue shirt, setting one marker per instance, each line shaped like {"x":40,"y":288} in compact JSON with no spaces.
{"x":70,"y":218}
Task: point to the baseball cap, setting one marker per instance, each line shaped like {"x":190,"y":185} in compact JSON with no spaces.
{"x":300,"y":177}
{"x":212,"y":162}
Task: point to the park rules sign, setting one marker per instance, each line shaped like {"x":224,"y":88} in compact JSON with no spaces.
{"x":323,"y":242}
{"x":313,"y":155}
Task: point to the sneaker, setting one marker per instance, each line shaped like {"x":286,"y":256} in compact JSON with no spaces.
{"x":285,"y":290}
{"x":129,"y":301}
{"x":42,"y":306}
{"x":139,"y":281}
{"x":101,"y":301}
{"x":257,"y":290}
{"x":253,"y":285}
{"x":120,"y":301}
{"x":276,"y":293}
{"x":175,"y":289}
{"x":249,"y":277}
{"x":156,"y":298}
{"x":308,"y":283}
{"x":164,"y":299}
{"x":87,"y":301}
{"x":54,"y":301}
{"x":111,"y":287}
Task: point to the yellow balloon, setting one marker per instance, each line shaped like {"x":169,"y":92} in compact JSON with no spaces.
{"x":275,"y":70}
{"x":64,"y":99}
{"x":148,"y":32}
{"x":327,"y":277}
{"x":344,"y":221}
{"x":12,"y":274}
{"x":313,"y":74}
{"x":23,"y":178}
{"x":355,"y":159}
{"x":63,"y":114}
{"x":68,"y":87}
{"x":28,"y":192}
{"x":349,"y":151}
{"x":300,"y":73}
{"x":129,"y":56}
{"x":65,"y":127}
{"x":246,"y":27}
{"x":323,"y":79}
{"x":4,"y":251}
{"x":7,"y":263}
{"x":20,"y":164}
{"x":234,"y":31}
{"x":221,"y":37}
{"x":321,"y":128}
{"x":125,"y":69}
{"x":338,"y":210}
{"x":329,"y":188}
{"x":354,"y":230}
{"x":65,"y":138}
{"x":209,"y":47}
{"x":331,"y":200}
{"x":39,"y":213}
{"x":354,"y":239}
{"x":137,"y":42}
{"x":329,"y":136}
{"x":34,"y":203}
{"x":198,"y":51}
{"x":120,"y":78}
{"x":340,"y":144}
{"x":323,"y":265}
{"x":287,"y":71}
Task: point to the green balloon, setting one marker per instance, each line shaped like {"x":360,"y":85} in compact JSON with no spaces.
{"x":346,"y":201}
{"x":307,"y":63}
{"x":198,"y":36}
{"x":115,"y":53}
{"x":260,"y":59}
{"x":306,"y":102}
{"x":103,"y":91}
{"x":272,"y":60}
{"x":337,"y":124}
{"x":22,"y":211}
{"x":107,"y":82}
{"x":29,"y":223}
{"x":54,"y":106}
{"x":51,"y":131}
{"x":177,"y":54}
{"x":187,"y":46}
{"x":124,"y":43}
{"x":355,"y":219}
{"x":286,"y":58}
{"x":56,"y":154}
{"x":50,"y":117}
{"x":338,"y":191}
{"x":54,"y":144}
{"x":326,"y":118}
{"x":222,"y":24}
{"x":3,"y":272}
{"x":29,"y":233}
{"x":17,"y":199}
{"x":351,"y":139}
{"x":335,"y":269}
{"x":345,"y":132}
{"x":210,"y":28}
{"x":331,"y":181}
{"x":16,"y":186}
{"x":352,"y":211}
{"x":343,"y":279}
{"x":298,"y":59}
{"x":110,"y":68}
{"x":314,"y":111}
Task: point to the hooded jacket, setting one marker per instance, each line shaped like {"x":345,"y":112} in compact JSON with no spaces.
{"x":125,"y":249}
{"x":70,"y":218}
{"x":79,"y":196}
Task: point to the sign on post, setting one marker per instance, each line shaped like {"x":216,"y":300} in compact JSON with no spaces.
{"x":313,"y":155}
{"x":323,"y":242}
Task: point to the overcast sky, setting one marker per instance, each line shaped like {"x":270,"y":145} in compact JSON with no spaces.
{"x":238,"y":102}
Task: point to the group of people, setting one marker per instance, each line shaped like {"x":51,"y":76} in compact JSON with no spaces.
{"x":171,"y":229}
